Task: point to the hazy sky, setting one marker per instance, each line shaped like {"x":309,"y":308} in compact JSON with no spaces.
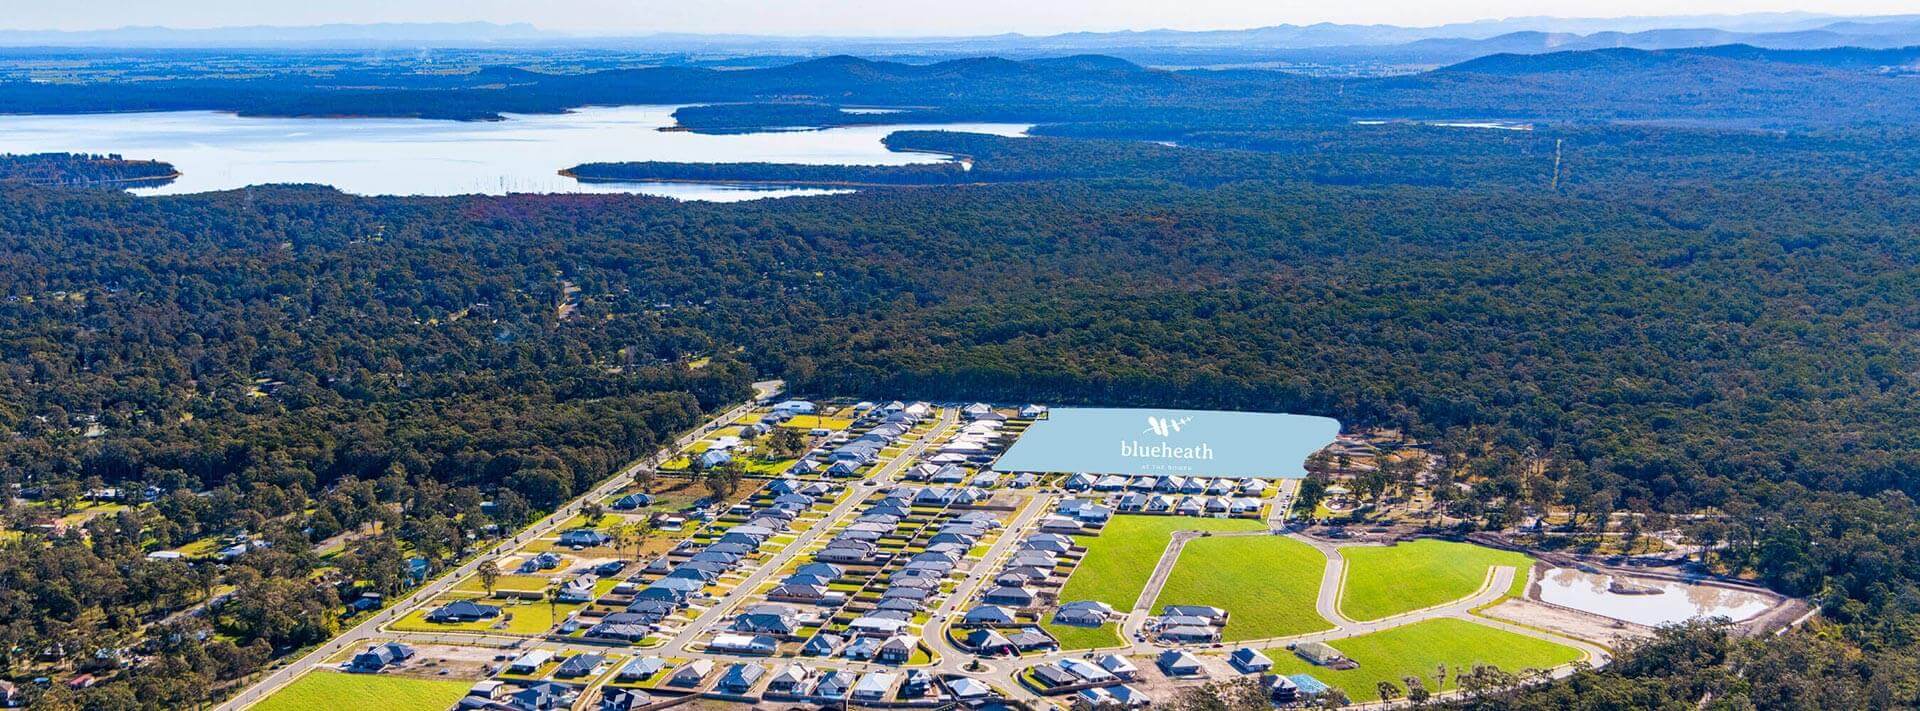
{"x":867,"y":17}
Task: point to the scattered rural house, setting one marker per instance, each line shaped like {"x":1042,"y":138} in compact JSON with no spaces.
{"x":632,"y":502}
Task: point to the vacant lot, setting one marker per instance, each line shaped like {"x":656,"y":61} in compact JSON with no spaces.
{"x":1121,"y":558}
{"x":1419,"y":649}
{"x":1267,"y":583}
{"x":334,"y":691}
{"x":1410,"y":576}
{"x":1072,"y":637}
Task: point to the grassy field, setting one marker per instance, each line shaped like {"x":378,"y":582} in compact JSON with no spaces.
{"x":1383,"y":581}
{"x":364,"y":692}
{"x":808,"y":422}
{"x":1268,"y":584}
{"x":1121,"y":558}
{"x":1420,"y":648}
{"x":1072,"y":637}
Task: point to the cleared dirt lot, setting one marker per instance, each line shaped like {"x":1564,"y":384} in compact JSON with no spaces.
{"x":1606,"y":631}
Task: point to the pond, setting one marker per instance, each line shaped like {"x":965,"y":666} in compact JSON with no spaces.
{"x":521,"y":154}
{"x":1675,"y":602}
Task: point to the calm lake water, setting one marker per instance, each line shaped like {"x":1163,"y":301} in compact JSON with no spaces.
{"x":1677,"y":601}
{"x":522,"y":154}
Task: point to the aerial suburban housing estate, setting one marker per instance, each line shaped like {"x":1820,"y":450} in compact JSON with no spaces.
{"x":926,"y":574}
{"x":1077,"y":355}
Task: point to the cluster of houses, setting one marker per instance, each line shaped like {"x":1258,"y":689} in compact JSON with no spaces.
{"x":1175,"y":495}
{"x":1075,"y":516}
{"x":1099,"y":681}
{"x":889,"y":422}
{"x":881,"y":634}
{"x":1188,"y":624}
{"x":797,"y":681}
{"x":1281,"y":689}
{"x":997,"y":623}
{"x":688,"y":569}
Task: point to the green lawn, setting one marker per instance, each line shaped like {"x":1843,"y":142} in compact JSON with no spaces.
{"x":1267,"y":584}
{"x":1121,"y":558}
{"x":364,"y":692}
{"x":1072,"y":637}
{"x":1419,"y":648}
{"x":1383,"y":581}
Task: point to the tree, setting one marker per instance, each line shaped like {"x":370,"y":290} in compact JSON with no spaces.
{"x":489,"y":572}
{"x":1416,"y":689}
{"x":645,"y":477}
{"x":787,"y":442}
{"x":1388,"y":690}
{"x":593,"y":512}
{"x":723,"y":480}
{"x":1313,"y":490}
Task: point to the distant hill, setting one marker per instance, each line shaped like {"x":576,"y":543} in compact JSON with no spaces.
{"x":333,"y":35}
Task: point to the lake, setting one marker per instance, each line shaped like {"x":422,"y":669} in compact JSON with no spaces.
{"x":1676,"y":601}
{"x":521,"y":154}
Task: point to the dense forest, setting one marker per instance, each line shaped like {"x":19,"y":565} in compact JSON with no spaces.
{"x":1671,"y":338}
{"x":83,"y":170}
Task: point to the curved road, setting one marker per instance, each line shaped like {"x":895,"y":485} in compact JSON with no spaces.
{"x":370,"y":628}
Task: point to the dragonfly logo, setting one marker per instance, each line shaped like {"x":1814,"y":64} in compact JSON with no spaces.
{"x":1166,"y":426}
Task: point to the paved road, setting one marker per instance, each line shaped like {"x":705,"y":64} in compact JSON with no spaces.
{"x":370,"y":628}
{"x":1001,"y":673}
{"x":745,"y":590}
